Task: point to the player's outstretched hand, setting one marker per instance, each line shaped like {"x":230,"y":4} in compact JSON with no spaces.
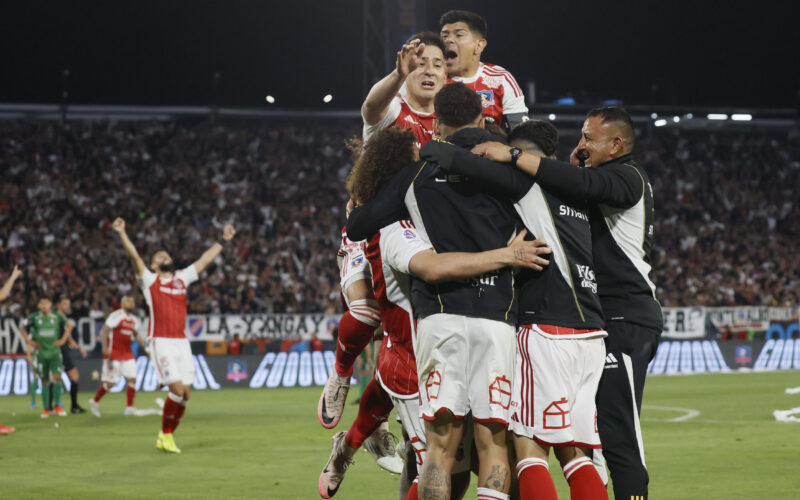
{"x":118,"y":225}
{"x":228,"y":233}
{"x":16,"y":273}
{"x":528,"y":253}
{"x":408,"y":57}
{"x":495,"y":151}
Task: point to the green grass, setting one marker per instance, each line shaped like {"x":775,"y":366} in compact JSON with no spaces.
{"x":241,"y":443}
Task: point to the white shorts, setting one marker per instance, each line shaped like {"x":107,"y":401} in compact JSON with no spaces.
{"x":353,"y":264}
{"x":113,"y":369}
{"x":555,"y":383}
{"x":465,"y":364}
{"x":408,"y":412}
{"x":173,"y":360}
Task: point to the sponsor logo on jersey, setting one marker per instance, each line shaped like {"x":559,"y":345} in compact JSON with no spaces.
{"x":494,"y":82}
{"x":586,"y":275}
{"x":488,"y":279}
{"x":409,"y":235}
{"x":173,"y":291}
{"x":611,"y":361}
{"x":567,"y":210}
{"x":487,"y":97}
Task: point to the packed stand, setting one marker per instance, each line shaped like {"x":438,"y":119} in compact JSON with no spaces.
{"x":726,"y":224}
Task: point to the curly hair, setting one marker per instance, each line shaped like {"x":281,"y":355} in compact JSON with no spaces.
{"x":387,"y":153}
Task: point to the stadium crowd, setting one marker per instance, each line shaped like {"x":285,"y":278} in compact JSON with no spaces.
{"x":724,"y":232}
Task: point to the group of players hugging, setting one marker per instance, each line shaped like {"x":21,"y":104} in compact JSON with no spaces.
{"x":509,"y":290}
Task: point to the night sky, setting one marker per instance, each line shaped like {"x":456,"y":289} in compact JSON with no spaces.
{"x":165,"y":52}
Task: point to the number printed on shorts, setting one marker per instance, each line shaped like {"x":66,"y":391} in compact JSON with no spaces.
{"x":556,"y":415}
{"x":500,"y":392}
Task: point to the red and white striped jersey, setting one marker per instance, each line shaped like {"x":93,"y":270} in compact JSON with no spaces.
{"x":389,"y":252}
{"x":166,"y":301}
{"x":123,"y":326}
{"x":500,"y":93}
{"x":401,"y":114}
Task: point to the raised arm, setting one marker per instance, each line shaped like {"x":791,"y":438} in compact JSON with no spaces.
{"x":209,"y":255}
{"x":380,"y":96}
{"x":6,"y":290}
{"x":436,"y":268}
{"x":136,"y":260}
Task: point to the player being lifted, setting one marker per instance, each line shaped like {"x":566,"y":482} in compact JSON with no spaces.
{"x":47,"y":335}
{"x":164,"y":290}
{"x":464,"y":37}
{"x":116,"y":335}
{"x":420,"y":67}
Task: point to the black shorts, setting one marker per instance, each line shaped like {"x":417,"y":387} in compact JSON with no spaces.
{"x":67,"y":357}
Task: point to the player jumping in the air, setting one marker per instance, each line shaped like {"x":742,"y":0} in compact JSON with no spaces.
{"x":464,"y":37}
{"x":44,"y":331}
{"x":164,"y":289}
{"x":4,"y":293}
{"x":116,"y":335}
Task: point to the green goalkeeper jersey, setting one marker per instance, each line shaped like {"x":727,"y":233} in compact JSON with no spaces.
{"x":46,"y":330}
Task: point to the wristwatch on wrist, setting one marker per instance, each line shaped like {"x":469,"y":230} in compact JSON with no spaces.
{"x":515,"y":154}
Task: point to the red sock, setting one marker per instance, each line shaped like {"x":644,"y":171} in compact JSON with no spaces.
{"x":179,"y":415}
{"x":356,"y":329}
{"x":535,"y":482}
{"x":100,"y":393}
{"x":413,"y":494}
{"x":584,"y":481}
{"x":171,"y":405}
{"x":130,"y":392}
{"x":373,"y":408}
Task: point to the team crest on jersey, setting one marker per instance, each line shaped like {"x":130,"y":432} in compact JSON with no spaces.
{"x":409,"y":235}
{"x":487,"y":97}
{"x":357,"y":261}
{"x":556,"y":415}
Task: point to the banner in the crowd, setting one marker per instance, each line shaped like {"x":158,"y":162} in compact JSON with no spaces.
{"x":198,"y":328}
{"x":684,"y":322}
{"x":261,"y":326}
{"x":740,"y":319}
{"x":272,"y":370}
{"x":783,"y":323}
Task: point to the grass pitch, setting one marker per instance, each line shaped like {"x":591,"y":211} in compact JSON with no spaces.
{"x":244,"y":443}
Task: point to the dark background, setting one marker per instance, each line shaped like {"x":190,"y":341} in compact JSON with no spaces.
{"x":165,"y":52}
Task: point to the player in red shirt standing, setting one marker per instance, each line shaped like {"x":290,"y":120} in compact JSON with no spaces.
{"x":4,"y":293}
{"x":164,"y":291}
{"x":116,"y":334}
{"x":464,"y":37}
